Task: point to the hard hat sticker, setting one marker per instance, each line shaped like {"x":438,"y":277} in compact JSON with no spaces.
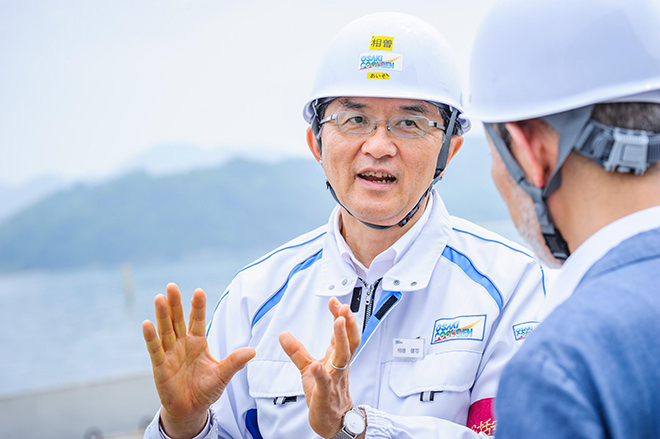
{"x":380,"y":61}
{"x":377,"y":75}
{"x":381,"y":43}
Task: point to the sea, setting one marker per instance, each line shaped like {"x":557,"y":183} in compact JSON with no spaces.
{"x":65,"y":327}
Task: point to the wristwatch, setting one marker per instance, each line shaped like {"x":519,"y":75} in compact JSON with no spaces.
{"x":354,"y":424}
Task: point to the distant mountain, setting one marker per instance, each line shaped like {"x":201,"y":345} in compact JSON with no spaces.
{"x":467,"y":188}
{"x":241,"y":204}
{"x":139,"y":217}
{"x":161,"y":159}
{"x":171,"y":158}
{"x":14,"y":198}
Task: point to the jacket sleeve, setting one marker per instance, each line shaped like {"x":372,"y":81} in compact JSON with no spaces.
{"x":381,"y":425}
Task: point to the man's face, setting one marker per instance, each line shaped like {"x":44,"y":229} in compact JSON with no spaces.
{"x":521,"y":209}
{"x":379,"y":177}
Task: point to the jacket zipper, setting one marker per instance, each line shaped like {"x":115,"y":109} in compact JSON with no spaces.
{"x":370,"y":293}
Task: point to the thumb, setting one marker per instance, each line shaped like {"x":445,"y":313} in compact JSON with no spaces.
{"x":234,"y":362}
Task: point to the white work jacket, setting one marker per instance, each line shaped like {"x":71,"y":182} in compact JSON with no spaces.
{"x":451,"y":311}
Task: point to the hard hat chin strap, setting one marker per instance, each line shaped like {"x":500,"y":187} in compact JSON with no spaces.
{"x":316,"y":120}
{"x":569,"y":124}
{"x":401,"y":223}
{"x":437,"y":176}
{"x":446,"y":144}
{"x":553,"y":239}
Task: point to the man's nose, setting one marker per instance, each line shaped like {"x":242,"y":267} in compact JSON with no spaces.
{"x":380,"y":142}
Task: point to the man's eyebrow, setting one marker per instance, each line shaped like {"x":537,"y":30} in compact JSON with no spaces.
{"x":352,"y":105}
{"x":414,"y":109}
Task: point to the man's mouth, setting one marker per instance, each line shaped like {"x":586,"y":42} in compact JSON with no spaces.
{"x":377,"y":177}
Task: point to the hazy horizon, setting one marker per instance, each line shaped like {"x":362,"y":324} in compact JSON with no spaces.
{"x":87,"y":85}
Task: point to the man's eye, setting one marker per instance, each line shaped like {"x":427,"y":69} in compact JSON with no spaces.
{"x":358,"y":120}
{"x":408,"y":123}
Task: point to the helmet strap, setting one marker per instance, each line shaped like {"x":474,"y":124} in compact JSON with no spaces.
{"x":401,"y":223}
{"x":444,"y":149}
{"x":553,"y":239}
{"x":569,"y":124}
{"x":316,"y":120}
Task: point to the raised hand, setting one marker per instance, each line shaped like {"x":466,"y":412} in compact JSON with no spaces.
{"x":325,"y":381}
{"x":187,"y":377}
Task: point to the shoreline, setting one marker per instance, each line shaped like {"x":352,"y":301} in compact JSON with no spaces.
{"x":119,"y":407}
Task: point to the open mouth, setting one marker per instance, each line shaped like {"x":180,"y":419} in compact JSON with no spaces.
{"x":377,"y":177}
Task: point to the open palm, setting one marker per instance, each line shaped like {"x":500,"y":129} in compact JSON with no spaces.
{"x":187,"y":377}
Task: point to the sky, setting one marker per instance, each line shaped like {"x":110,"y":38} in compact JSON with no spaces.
{"x":87,"y":84}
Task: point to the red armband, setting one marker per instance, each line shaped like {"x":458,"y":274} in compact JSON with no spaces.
{"x":481,"y":416}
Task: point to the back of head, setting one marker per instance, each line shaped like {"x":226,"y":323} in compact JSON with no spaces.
{"x":586,"y":68}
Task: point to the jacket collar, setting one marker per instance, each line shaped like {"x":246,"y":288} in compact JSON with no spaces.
{"x":412,"y":258}
{"x":593,"y":249}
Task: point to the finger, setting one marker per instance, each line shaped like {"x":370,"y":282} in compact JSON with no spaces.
{"x":176,"y":309}
{"x":330,"y":397}
{"x":352,"y":328}
{"x":197,"y":324}
{"x":156,"y":352}
{"x":322,"y":379}
{"x":295,"y":350}
{"x":164,"y":321}
{"x":334,"y":305}
{"x":234,"y":362}
{"x":342,"y":352}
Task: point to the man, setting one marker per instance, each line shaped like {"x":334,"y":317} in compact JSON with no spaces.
{"x":570,"y":95}
{"x":397,"y":317}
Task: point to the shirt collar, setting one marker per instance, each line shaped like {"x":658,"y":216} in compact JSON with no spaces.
{"x":594,"y":248}
{"x":340,"y":268}
{"x":386,"y":259}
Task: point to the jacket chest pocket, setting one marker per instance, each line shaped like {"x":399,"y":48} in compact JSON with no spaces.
{"x":438,"y":384}
{"x":276,"y":388}
{"x":272,"y":379}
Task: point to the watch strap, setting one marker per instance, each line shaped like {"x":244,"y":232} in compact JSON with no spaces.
{"x":343,"y":434}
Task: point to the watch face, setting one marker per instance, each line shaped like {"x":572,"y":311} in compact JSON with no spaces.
{"x":354,"y":422}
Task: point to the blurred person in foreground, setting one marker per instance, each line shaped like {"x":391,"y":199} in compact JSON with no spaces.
{"x":394,"y":319}
{"x":570,"y":95}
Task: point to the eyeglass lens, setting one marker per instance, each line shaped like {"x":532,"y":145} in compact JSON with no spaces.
{"x":404,"y":125}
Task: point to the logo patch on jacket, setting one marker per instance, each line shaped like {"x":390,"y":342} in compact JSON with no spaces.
{"x":522,"y":330}
{"x":459,"y":328}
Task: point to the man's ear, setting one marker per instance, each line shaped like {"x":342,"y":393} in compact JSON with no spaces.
{"x":534,"y":148}
{"x":454,"y":146}
{"x":313,"y":144}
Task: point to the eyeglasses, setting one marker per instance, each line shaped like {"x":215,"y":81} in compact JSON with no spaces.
{"x":403,"y":125}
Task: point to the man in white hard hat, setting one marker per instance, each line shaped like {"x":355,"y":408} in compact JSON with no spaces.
{"x":394,"y":319}
{"x":570,"y":95}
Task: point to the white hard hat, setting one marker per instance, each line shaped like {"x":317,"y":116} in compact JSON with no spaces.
{"x":389,"y":55}
{"x":555,"y":59}
{"x":535,"y":58}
